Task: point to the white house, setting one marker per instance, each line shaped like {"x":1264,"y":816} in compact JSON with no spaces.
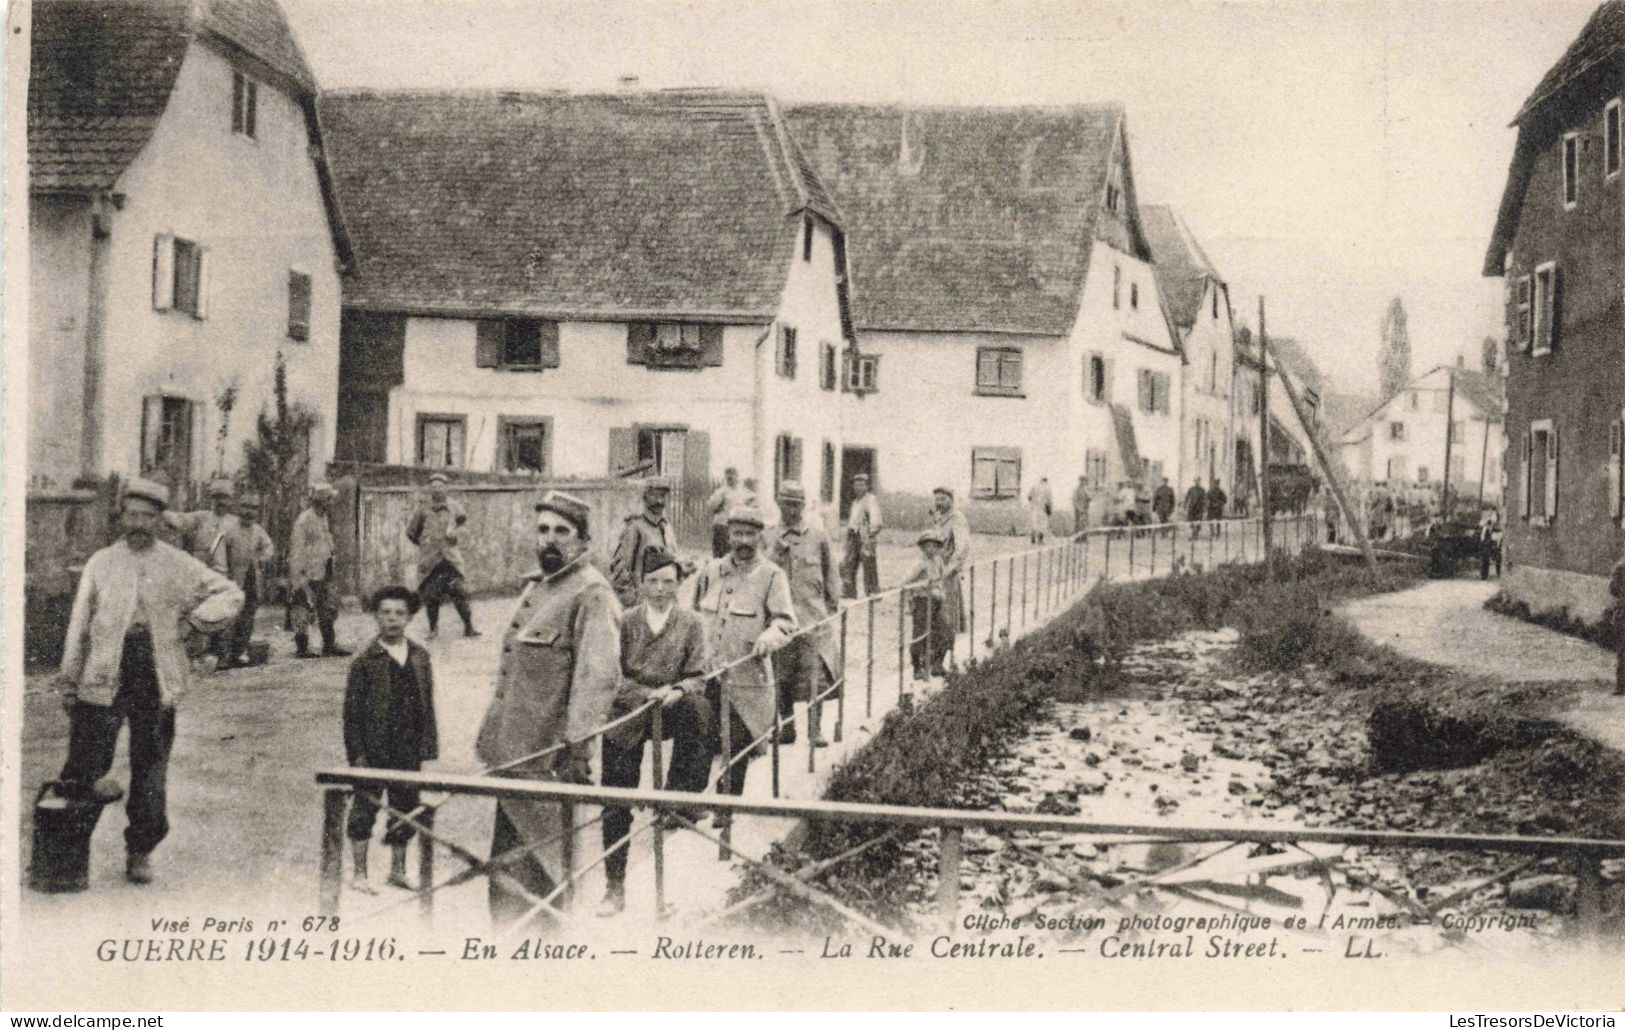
{"x":182,"y":234}
{"x":1198,"y":302}
{"x":1004,"y":298}
{"x":582,"y":285}
{"x":1402,"y":442}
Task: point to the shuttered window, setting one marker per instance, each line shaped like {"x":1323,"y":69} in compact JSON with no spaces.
{"x":863,"y":373}
{"x":1611,"y":140}
{"x":1094,"y":378}
{"x":516,"y":344}
{"x":995,"y":473}
{"x":786,"y":353}
{"x":826,"y":485}
{"x":298,"y":306}
{"x":167,"y":437}
{"x":440,"y":441}
{"x":180,"y":276}
{"x":826,"y":366}
{"x":1616,"y":467}
{"x":525,"y":445}
{"x":998,"y":371}
{"x":244,"y":105}
{"x":1548,"y":286}
{"x":786,"y":461}
{"x":674,"y":345}
{"x":1541,"y":472}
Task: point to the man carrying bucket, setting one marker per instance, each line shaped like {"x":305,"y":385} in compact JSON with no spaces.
{"x":124,"y":658}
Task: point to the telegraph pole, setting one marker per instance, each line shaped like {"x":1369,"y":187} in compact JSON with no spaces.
{"x":1449,"y":441}
{"x":1263,"y":429}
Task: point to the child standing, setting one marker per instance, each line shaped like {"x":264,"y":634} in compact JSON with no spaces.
{"x":389,"y":723}
{"x":931,"y":635}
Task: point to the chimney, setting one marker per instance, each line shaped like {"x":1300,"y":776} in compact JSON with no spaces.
{"x":626,"y":83}
{"x":1461,"y":361}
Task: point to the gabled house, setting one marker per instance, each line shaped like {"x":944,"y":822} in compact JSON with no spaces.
{"x":588,"y":285}
{"x":182,"y":233}
{"x":1005,"y":303}
{"x":1402,"y":441}
{"x":1557,"y":245}
{"x":1198,"y":302}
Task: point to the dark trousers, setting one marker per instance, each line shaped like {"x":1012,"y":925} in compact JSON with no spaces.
{"x":719,"y":540}
{"x":1619,"y":651}
{"x":444,"y":582}
{"x":93,"y":736}
{"x":242,"y":628}
{"x":318,"y":607}
{"x":364,"y":812}
{"x":854,"y":559}
{"x":930,"y":636}
{"x":686,"y":724}
{"x":1487,"y":553}
{"x":739,"y":743}
{"x":798,"y":668}
{"x":507,"y":906}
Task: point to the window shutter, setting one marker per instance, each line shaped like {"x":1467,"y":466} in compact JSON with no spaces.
{"x":163,"y":272}
{"x":237,"y":102}
{"x":152,"y":420}
{"x":623,"y":450}
{"x":1525,"y":301}
{"x":1551,"y":474}
{"x":205,"y":265}
{"x":711,"y":346}
{"x":795,"y":458}
{"x":488,"y":338}
{"x":251,"y":109}
{"x":1615,"y":432}
{"x":696,"y":463}
{"x":1554,"y":310}
{"x":1525,"y":479}
{"x":1106,"y":392}
{"x":640,"y":340}
{"x":548,"y":331}
{"x":1511,"y":301}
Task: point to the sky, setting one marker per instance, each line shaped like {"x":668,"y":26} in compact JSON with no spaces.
{"x":1328,"y":156}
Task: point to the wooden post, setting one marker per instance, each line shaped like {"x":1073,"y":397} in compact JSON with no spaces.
{"x":948,"y":875}
{"x":1131,"y":535}
{"x":1588,"y":895}
{"x":840,"y":688}
{"x":869,"y":675}
{"x":993,"y":608}
{"x":332,"y":868}
{"x":657,"y":779}
{"x":1010,"y":599}
{"x":903,"y":634}
{"x":723,"y":852}
{"x":1449,"y":440}
{"x":1106,"y":565}
{"x":426,"y":864}
{"x":567,"y":812}
{"x":1264,"y":431}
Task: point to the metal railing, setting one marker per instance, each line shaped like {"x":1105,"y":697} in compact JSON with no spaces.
{"x":1051,"y":577}
{"x":1586,"y":855}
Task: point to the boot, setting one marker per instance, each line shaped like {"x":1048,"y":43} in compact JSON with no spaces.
{"x":397,"y":866}
{"x":614,"y":902}
{"x":301,"y":643}
{"x":330,"y":649}
{"x":138,"y":868}
{"x":358,"y":878}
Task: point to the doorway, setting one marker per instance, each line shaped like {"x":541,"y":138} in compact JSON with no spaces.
{"x":855,"y":460}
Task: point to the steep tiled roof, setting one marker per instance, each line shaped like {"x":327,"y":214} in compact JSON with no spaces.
{"x":1183,"y":268}
{"x":1482,"y":389}
{"x":966,"y":218}
{"x":674,"y":202}
{"x":1602,"y":37}
{"x":1603,"y":34}
{"x":102,"y":71}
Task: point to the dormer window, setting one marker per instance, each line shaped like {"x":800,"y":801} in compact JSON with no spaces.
{"x":244,"y":105}
{"x":1134,"y":296}
{"x":1571,"y":170}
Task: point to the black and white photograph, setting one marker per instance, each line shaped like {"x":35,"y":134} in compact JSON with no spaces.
{"x":806,"y":505}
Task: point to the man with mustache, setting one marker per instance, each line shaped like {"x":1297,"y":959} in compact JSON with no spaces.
{"x":124,"y":658}
{"x":745,"y":602}
{"x":644,"y":531}
{"x":807,"y":663}
{"x":560,"y":671}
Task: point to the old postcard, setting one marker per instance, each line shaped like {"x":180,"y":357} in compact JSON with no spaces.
{"x":776,"y":504}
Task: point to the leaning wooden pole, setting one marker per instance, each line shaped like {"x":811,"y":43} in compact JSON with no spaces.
{"x":1314,"y":444}
{"x":1263,"y":433}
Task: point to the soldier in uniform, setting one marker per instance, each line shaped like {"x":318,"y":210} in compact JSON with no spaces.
{"x":808,"y":662}
{"x":749,"y":614}
{"x":310,"y":574}
{"x":248,"y":550}
{"x":955,"y":531}
{"x":723,"y":500}
{"x":124,"y":658}
{"x":645,"y":530}
{"x":559,"y":673}
{"x":434,"y":530}
{"x":203,"y":532}
{"x":862,"y":535}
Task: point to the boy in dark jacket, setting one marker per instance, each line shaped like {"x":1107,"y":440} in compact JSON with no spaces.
{"x":389,"y":723}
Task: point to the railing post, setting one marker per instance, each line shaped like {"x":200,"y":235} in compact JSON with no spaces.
{"x":970,"y":617}
{"x":1106,"y":565}
{"x":993,"y":607}
{"x":903,"y":634}
{"x":869,"y":675}
{"x":1225,"y":528}
{"x":1131,"y":536}
{"x":773,"y":741}
{"x":1024,"y":590}
{"x":1588,"y":895}
{"x":1010,"y":599}
{"x":425,"y":818}
{"x":948,"y":875}
{"x":567,"y":811}
{"x":332,"y":875}
{"x":657,"y":777}
{"x":1154,"y":532}
{"x":723,"y":851}
{"x":1217,"y":525}
{"x":840,"y":689}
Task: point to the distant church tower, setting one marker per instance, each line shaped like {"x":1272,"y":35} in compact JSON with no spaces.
{"x":1396,"y":350}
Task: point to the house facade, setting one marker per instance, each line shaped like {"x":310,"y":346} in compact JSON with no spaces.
{"x":1004,"y":301}
{"x":580,"y":286}
{"x":1404,"y":441}
{"x":1557,"y":246}
{"x":1198,"y":302}
{"x":182,"y":236}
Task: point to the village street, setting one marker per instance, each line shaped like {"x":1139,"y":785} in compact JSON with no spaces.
{"x":244,"y":808}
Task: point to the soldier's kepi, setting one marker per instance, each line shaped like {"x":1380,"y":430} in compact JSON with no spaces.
{"x":806,"y":664}
{"x":746,"y":604}
{"x":648,"y":530}
{"x":556,"y":682}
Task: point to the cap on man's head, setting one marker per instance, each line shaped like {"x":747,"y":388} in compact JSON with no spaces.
{"x":438,"y":479}
{"x":656,"y":487}
{"x":860,"y":477}
{"x":221,"y":488}
{"x":790,"y":490}
{"x":322,"y":490}
{"x":147,"y":490}
{"x":945,"y":491}
{"x":567,"y":506}
{"x":746,"y":515}
{"x":657,"y":558}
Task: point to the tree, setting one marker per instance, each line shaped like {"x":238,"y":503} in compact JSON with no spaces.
{"x":1395,"y":358}
{"x":276,"y":463}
